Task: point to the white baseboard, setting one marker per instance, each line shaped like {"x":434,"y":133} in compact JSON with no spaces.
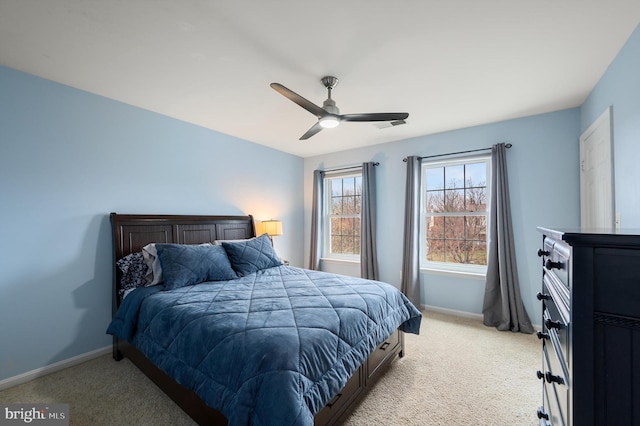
{"x":52,"y":368}
{"x":470,"y":315}
{"x":453,"y":312}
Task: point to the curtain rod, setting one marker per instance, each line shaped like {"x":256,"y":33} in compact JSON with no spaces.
{"x":349,"y":168}
{"x":456,"y":153}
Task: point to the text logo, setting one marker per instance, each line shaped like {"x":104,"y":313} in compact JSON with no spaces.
{"x":34,"y":414}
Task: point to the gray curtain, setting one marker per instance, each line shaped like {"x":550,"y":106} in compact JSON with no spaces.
{"x":411,"y":251}
{"x":502,"y":307}
{"x":316,"y":220}
{"x":368,"y":253}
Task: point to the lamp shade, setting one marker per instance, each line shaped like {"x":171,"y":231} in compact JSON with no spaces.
{"x":271,"y":227}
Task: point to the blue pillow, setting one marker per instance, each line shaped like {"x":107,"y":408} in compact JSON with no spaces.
{"x":252,"y":255}
{"x":186,"y":264}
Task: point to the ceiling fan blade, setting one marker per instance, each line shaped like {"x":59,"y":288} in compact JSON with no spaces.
{"x":304,"y":103}
{"x":376,"y":116}
{"x":312,"y":131}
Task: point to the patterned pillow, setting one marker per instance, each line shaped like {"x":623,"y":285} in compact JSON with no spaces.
{"x":252,"y":255}
{"x":134,"y":271}
{"x":185,"y":264}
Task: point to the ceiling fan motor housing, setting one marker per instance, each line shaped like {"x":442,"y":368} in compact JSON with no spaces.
{"x":329,"y":105}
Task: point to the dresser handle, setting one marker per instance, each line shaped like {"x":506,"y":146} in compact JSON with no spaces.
{"x":543,"y":253}
{"x":552,"y":324}
{"x":553,"y":265}
{"x":540,"y":374}
{"x":550,"y":378}
{"x":384,"y":346}
{"x":542,"y":335}
{"x":542,"y":414}
{"x":542,"y":296}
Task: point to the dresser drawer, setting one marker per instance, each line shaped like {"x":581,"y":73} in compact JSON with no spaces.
{"x":556,"y":326}
{"x":557,"y":346}
{"x":558,"y":261}
{"x":556,"y":390}
{"x":385,"y":350}
{"x":559,"y":294}
{"x":551,"y":408}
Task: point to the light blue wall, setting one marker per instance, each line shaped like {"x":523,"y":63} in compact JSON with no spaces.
{"x":620,"y":88}
{"x":544,"y":183}
{"x":67,"y":159}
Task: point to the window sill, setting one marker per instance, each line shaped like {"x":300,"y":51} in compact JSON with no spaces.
{"x":450,"y":272}
{"x":335,"y":260}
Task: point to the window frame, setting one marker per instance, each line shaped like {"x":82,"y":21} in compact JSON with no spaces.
{"x":471,"y":270}
{"x":327,"y":215}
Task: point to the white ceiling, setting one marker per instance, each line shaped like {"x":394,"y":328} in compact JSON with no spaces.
{"x":449,"y":63}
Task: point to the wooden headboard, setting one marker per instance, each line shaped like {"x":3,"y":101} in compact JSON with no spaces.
{"x":131,"y":232}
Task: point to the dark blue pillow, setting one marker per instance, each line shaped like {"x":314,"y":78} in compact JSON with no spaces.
{"x":186,"y":264}
{"x":252,"y":255}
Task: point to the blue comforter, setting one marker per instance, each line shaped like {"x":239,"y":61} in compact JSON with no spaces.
{"x":270,"y":348}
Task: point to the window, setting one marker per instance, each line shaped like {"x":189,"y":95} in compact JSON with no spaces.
{"x":342,"y":215}
{"x":454,"y":210}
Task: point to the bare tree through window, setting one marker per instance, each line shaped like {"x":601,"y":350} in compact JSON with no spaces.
{"x":345,"y":205}
{"x":455,"y":205}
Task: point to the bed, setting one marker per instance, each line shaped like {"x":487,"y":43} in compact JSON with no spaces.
{"x":235,"y":336}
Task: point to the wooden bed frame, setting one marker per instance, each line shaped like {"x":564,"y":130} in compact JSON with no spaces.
{"x":132,"y":232}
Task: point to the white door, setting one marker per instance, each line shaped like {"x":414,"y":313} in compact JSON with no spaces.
{"x":596,"y":175}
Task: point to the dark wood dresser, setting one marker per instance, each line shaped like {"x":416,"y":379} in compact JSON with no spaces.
{"x":590,"y":367}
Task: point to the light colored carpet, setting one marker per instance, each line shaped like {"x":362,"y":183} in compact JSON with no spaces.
{"x":457,"y":372}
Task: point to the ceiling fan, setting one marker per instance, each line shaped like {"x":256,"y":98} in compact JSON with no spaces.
{"x":329,"y":114}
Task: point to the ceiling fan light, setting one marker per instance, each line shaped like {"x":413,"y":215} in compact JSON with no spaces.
{"x":329,"y":122}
